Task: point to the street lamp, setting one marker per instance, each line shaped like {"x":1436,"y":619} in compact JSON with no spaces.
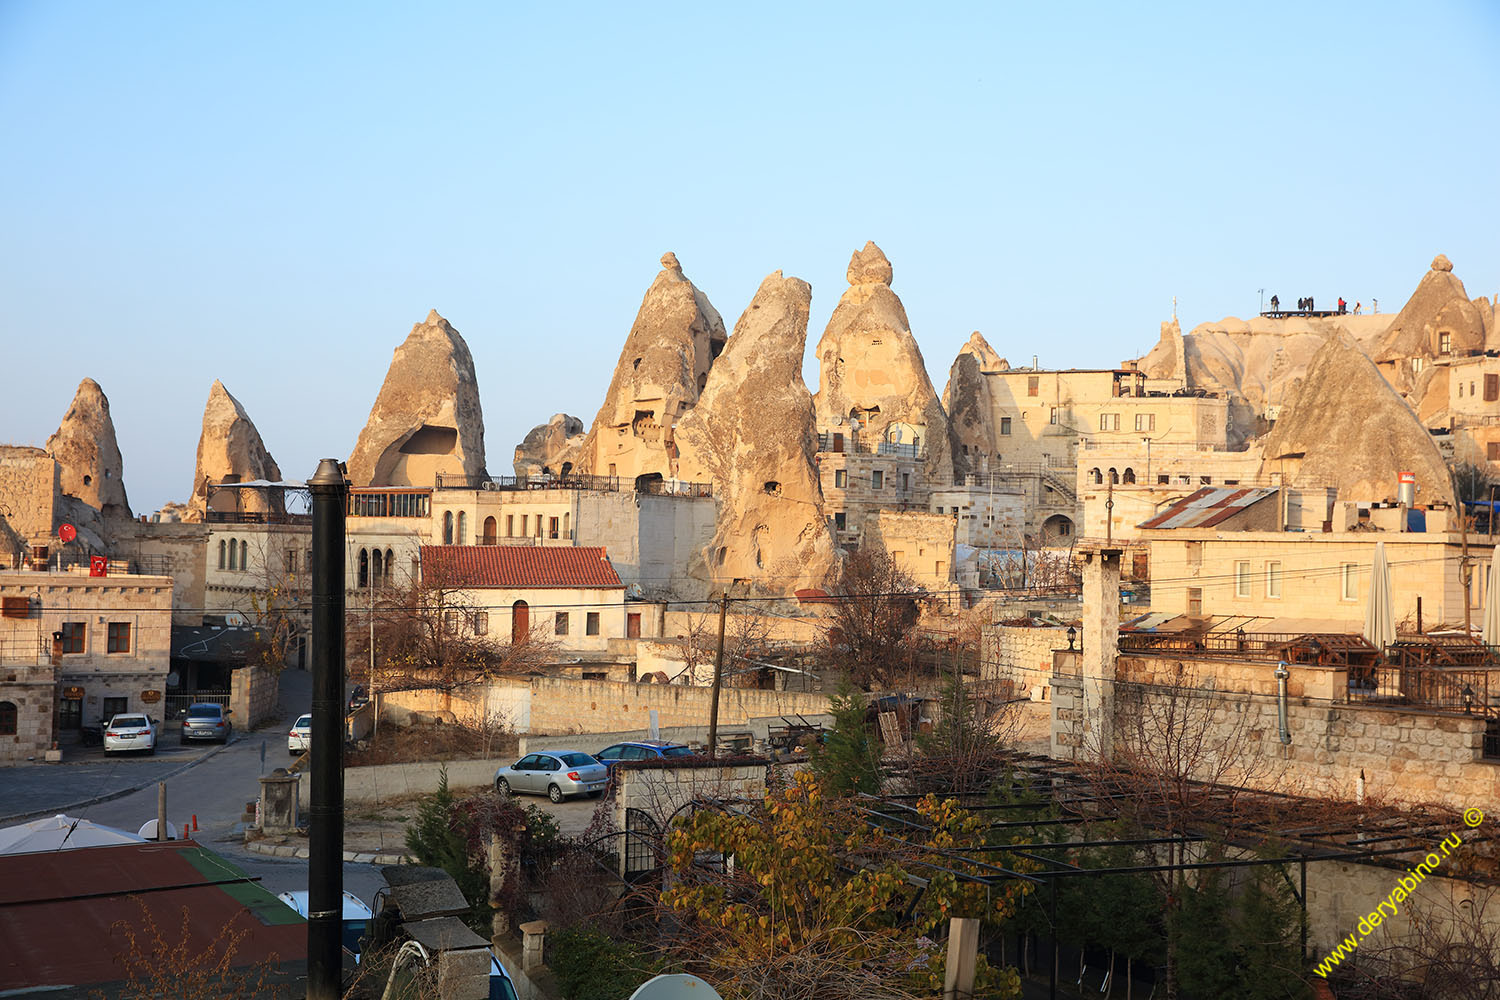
{"x":1072,"y":635}
{"x":1468,"y":700}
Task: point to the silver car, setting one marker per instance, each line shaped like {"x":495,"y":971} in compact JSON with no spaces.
{"x":553,"y":773}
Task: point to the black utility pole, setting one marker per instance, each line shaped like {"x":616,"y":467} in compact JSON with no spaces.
{"x":713,"y":710}
{"x":325,"y":863}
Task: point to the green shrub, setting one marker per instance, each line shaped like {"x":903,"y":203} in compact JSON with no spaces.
{"x":590,"y":965}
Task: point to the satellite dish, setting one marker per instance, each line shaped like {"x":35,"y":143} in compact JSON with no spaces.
{"x":173,"y":680}
{"x":677,"y":986}
{"x":67,"y":533}
{"x":148,"y":830}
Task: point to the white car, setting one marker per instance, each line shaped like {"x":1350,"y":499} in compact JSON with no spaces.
{"x":299,"y":739}
{"x":130,"y":732}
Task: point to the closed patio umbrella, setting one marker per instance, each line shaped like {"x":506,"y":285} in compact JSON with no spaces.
{"x":56,"y":833}
{"x":1492,"y":607}
{"x":1380,"y":613}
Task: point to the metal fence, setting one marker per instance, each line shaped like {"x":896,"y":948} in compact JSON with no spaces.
{"x":594,"y":484}
{"x":177,"y":704}
{"x":1443,"y":688}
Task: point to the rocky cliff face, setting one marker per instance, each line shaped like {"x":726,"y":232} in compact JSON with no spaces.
{"x":1346,"y":427}
{"x":1438,"y":320}
{"x":230,"y":450}
{"x":970,"y":407}
{"x":427,"y":419}
{"x":872,"y":371}
{"x":552,"y":448}
{"x":664,"y":366}
{"x":753,"y":436}
{"x":88,"y":455}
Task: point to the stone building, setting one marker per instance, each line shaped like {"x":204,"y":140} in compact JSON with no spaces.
{"x":84,"y":647}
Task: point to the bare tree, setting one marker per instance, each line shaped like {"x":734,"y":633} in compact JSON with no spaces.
{"x":872,"y":635}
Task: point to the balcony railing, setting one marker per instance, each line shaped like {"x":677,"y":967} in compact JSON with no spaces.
{"x":255,"y":517}
{"x":595,"y":484}
{"x":853,"y":445}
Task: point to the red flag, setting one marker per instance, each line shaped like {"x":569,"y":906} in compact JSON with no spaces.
{"x":98,"y":566}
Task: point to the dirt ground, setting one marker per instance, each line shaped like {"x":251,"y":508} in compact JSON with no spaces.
{"x":380,"y":828}
{"x":412,"y":744}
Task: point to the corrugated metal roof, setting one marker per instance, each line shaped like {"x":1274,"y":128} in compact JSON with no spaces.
{"x":59,"y":911}
{"x":514,"y":567}
{"x":1209,"y":506}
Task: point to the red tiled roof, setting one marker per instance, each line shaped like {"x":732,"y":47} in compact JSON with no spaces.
{"x":512,"y":567}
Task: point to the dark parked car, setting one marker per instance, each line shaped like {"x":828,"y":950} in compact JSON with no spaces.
{"x":643,"y":750}
{"x":207,"y":721}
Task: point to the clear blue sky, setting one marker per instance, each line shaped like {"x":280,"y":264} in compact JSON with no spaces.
{"x":272,"y":194}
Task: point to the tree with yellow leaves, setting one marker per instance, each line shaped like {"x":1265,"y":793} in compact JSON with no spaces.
{"x":804,"y":896}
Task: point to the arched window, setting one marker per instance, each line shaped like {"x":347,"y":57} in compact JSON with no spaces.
{"x":377,"y":568}
{"x":1130,"y":476}
{"x":364,"y":567}
{"x":221,"y":553}
{"x":390,"y":561}
{"x":520,"y":622}
{"x":489,"y":530}
{"x":463,"y":528}
{"x":8,"y":718}
{"x":1114,"y":476}
{"x":234,"y":552}
{"x":1097,"y":476}
{"x":244,"y":556}
{"x":447,"y":527}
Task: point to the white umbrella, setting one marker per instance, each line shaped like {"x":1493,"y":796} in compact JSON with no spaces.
{"x":1492,"y":606}
{"x":56,"y":833}
{"x":1380,"y":613}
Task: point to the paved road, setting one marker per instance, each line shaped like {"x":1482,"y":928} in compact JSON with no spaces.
{"x":215,"y":790}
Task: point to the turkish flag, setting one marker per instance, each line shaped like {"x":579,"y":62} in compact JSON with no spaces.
{"x":98,"y":566}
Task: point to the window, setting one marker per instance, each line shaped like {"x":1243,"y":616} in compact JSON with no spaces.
{"x":560,"y":623}
{"x":1460,"y":390}
{"x":447,"y":527}
{"x":510,"y":525}
{"x":1033,"y":385}
{"x":840,"y":479}
{"x":1194,"y":601}
{"x":1492,"y":451}
{"x":244,"y":556}
{"x":1273,"y":578}
{"x":1348,"y":582}
{"x":1471,"y":388}
{"x":290,"y":555}
{"x":221,"y":553}
{"x":1491,"y":388}
{"x":1416,"y":365}
{"x":539,"y":526}
{"x":490,"y":527}
{"x":877,"y":480}
{"x":567,"y":527}
{"x":524,"y":522}
{"x":1194,"y":555}
{"x":1445,"y":343}
{"x":838,"y":442}
{"x":1109,"y":421}
{"x":941,"y":569}
{"x":1242,"y":579}
{"x":481,"y":623}
{"x":364,"y":567}
{"x":906,"y":480}
{"x":72,"y":636}
{"x":1145,"y":421}
{"x":551,"y":527}
{"x":1163,"y":480}
{"x":1129,"y":477}
{"x":234,"y":552}
{"x":840,"y":521}
{"x":8,"y":717}
{"x":377,"y":568}
{"x":633,"y":625}
{"x":114,"y":707}
{"x":450,"y":622}
{"x":463,"y":528}
{"x":1052,"y":415}
{"x":119,"y":637}
{"x":1005,"y":425}
{"x":390,"y":564}
{"x":1114,"y":476}
{"x":591,"y":623}
{"x":1096,"y":476}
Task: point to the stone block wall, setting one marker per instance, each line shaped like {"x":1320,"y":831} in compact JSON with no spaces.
{"x":1021,"y":654}
{"x":30,"y":689}
{"x":30,"y":485}
{"x":562,"y":706}
{"x":1407,"y":757}
{"x":252,"y":696}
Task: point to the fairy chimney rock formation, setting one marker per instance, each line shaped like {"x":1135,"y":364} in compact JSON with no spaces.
{"x":753,"y":436}
{"x":88,"y":455}
{"x":552,"y":448}
{"x":871,"y":370}
{"x":662,"y":369}
{"x":1168,"y":359}
{"x":1346,"y":427}
{"x":230,"y":450}
{"x":427,"y":420}
{"x":970,"y":407}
